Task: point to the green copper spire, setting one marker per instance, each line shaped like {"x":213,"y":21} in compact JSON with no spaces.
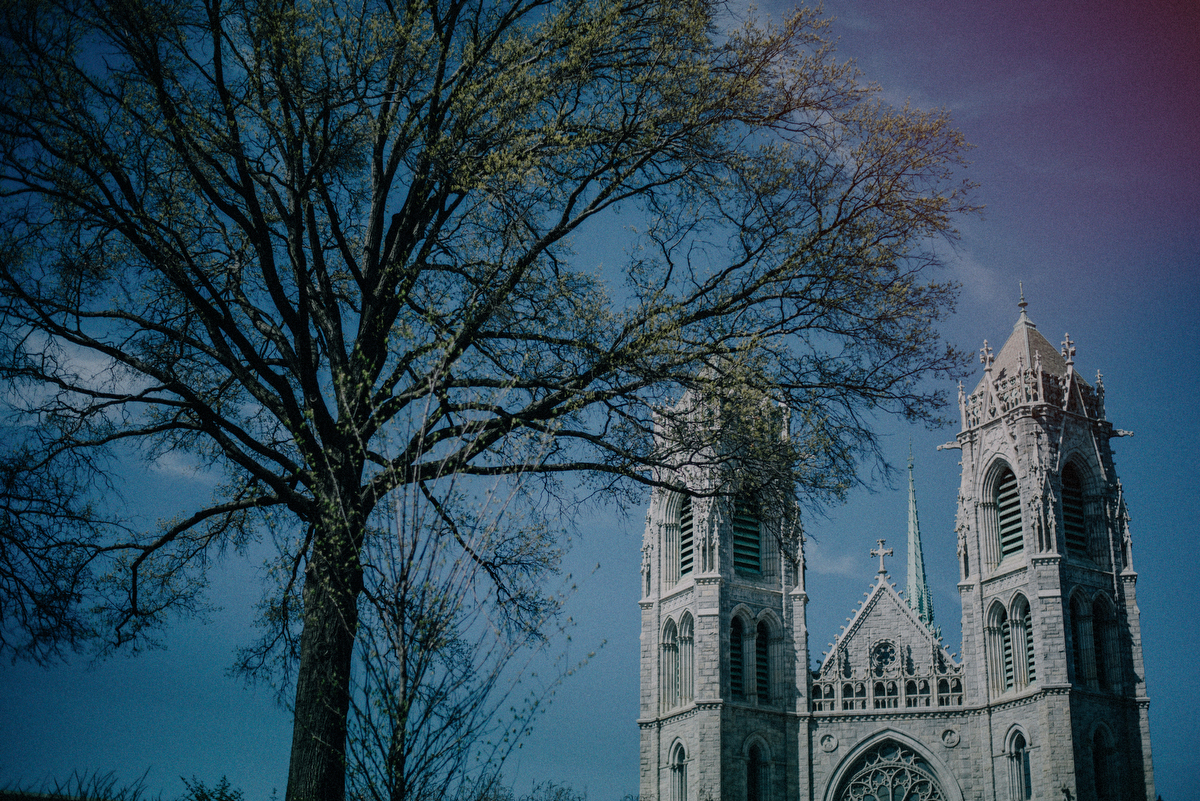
{"x":916,"y":591}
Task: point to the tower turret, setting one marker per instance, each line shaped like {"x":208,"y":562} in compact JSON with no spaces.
{"x":724,"y":649}
{"x":1051,"y":638}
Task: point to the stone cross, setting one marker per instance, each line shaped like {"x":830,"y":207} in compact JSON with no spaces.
{"x":1068,"y":349}
{"x":880,"y":552}
{"x":985,"y":355}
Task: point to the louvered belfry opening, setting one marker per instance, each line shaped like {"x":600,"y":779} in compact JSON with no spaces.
{"x":685,"y":537}
{"x":747,"y":537}
{"x":762,"y":670}
{"x":1008,"y":514}
{"x":1030,"y":662}
{"x":1074,"y":527}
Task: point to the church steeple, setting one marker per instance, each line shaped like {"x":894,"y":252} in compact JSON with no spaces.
{"x":916,"y":591}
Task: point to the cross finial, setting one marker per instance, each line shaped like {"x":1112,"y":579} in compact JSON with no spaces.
{"x":1068,"y":349}
{"x":985,"y":355}
{"x":881,"y":552}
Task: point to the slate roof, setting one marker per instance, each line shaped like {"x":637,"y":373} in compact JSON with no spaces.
{"x":1027,"y":344}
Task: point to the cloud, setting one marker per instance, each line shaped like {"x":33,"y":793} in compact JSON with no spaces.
{"x":819,"y":558}
{"x":980,"y":282}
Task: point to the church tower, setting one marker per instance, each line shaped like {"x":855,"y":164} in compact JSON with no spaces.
{"x":1051,"y":638}
{"x":723,"y":647}
{"x":1048,"y":700}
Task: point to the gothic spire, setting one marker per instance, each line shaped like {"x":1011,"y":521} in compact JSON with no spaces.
{"x":916,"y":591}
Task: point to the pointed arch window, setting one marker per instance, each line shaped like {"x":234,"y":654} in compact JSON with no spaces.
{"x":1020,"y":776}
{"x":1083,"y":644}
{"x":1074,"y":521}
{"x":1104,"y":631}
{"x":756,"y":775}
{"x":1008,"y":514}
{"x":679,"y":779}
{"x":670,"y":666}
{"x":1105,"y":773}
{"x":686,"y":539}
{"x":1000,"y":650}
{"x":762,"y":663}
{"x":747,"y":535}
{"x":1025,"y":669}
{"x":687,"y":668}
{"x":737,"y":683}
{"x":1030,"y":661}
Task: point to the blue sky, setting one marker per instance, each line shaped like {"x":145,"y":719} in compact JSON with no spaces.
{"x":1085,"y":119}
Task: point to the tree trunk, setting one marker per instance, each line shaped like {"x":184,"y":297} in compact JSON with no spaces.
{"x":332,"y":583}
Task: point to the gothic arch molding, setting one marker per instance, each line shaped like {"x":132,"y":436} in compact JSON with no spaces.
{"x":1011,"y":735}
{"x":756,"y":739}
{"x":945,"y":778}
{"x":997,"y":461}
{"x":1084,"y":467}
{"x":749,"y":619}
{"x":671,"y":501}
{"x":772,"y":620}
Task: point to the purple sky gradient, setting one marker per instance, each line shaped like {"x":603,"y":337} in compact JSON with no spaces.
{"x":1085,"y":119}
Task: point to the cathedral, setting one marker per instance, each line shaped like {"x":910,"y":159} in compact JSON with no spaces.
{"x":1048,"y":700}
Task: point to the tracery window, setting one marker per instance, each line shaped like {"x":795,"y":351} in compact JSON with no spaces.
{"x":889,"y":772}
{"x":950,"y":692}
{"x":1020,"y":777}
{"x":854,"y":696}
{"x":747,"y":536}
{"x":737,"y":684}
{"x":916,"y":693}
{"x":887,"y":695}
{"x":883,"y":656}
{"x":762,"y":663}
{"x":686,"y":551}
{"x":824,"y":698}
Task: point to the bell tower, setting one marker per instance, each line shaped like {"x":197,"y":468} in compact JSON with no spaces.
{"x":723,"y":644}
{"x":1051,"y":637}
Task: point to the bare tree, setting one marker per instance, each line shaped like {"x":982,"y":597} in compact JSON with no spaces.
{"x":271,"y":234}
{"x":453,"y":612}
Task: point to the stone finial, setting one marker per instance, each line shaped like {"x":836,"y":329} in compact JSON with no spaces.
{"x":985,"y":356}
{"x":1068,"y":349}
{"x":880,"y":552}
{"x":1022,"y":304}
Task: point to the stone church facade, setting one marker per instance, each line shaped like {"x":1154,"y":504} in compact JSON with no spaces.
{"x":1048,"y":700}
